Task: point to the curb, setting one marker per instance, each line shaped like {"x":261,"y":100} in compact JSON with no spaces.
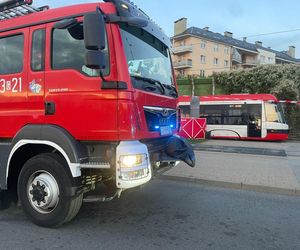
{"x":241,"y":186}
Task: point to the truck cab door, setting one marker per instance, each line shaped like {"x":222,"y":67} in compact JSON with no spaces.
{"x":75,"y":99}
{"x":36,"y":74}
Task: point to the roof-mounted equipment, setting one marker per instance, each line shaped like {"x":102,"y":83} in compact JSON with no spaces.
{"x":15,"y":8}
{"x":128,"y":12}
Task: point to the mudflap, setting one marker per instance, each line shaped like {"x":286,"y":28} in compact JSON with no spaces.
{"x":6,"y":198}
{"x":180,"y":149}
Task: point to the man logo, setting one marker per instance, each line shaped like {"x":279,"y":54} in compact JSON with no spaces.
{"x":165,"y":112}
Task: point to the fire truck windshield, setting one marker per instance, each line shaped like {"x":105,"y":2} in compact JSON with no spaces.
{"x":147,"y":57}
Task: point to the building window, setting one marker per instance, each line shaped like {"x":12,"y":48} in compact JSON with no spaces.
{"x":270,"y":60}
{"x":216,"y":61}
{"x":226,"y":50}
{"x":202,"y":59}
{"x":202,"y":44}
{"x":202,"y":73}
{"x":262,"y":59}
{"x":226,"y":63}
{"x":216,"y":47}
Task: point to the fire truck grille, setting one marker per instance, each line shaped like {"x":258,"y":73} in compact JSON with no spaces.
{"x":159,"y":117}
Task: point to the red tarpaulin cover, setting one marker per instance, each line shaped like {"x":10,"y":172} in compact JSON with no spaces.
{"x":193,"y":128}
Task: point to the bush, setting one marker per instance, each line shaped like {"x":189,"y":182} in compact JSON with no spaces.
{"x":280,"y":80}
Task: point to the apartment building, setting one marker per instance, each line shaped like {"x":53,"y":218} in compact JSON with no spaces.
{"x":202,"y":52}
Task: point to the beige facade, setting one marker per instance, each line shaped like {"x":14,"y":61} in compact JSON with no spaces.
{"x":266,"y":57}
{"x":195,"y":56}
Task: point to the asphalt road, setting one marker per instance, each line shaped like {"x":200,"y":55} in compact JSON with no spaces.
{"x":167,"y":215}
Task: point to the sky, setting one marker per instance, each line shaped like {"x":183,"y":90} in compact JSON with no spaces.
{"x":242,"y":18}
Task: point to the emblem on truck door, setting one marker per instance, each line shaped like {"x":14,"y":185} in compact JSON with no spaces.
{"x":35,"y":87}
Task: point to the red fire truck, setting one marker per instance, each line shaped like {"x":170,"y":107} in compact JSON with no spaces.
{"x":88,"y":99}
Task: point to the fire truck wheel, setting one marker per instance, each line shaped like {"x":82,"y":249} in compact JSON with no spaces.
{"x":44,"y":186}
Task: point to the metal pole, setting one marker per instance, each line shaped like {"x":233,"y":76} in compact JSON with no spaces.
{"x":213,"y":86}
{"x":193,"y":86}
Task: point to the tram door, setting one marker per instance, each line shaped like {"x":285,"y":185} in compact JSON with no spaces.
{"x":254,"y":112}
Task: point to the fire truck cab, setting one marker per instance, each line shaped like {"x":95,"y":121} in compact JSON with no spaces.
{"x":87,"y":99}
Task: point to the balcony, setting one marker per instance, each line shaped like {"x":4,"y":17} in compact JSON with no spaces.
{"x":183,"y":64}
{"x":250,"y":62}
{"x":182,"y":49}
{"x":236,"y":56}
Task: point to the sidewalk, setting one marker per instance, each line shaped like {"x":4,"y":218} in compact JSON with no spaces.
{"x":259,"y":166}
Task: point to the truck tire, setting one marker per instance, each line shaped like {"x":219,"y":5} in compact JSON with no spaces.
{"x":44,"y":191}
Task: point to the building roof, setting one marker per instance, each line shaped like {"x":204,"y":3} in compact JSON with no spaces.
{"x":219,"y":38}
{"x":207,"y":34}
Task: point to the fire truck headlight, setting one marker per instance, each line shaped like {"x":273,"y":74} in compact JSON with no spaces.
{"x":128,"y":161}
{"x":133,"y":167}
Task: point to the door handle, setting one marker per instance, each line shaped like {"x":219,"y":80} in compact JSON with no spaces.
{"x":49,"y":108}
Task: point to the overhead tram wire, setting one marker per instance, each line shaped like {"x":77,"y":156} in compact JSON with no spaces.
{"x":272,"y":33}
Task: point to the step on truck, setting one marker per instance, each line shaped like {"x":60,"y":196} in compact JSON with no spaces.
{"x":88,"y":102}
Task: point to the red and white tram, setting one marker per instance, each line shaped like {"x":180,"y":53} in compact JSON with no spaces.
{"x":240,"y":116}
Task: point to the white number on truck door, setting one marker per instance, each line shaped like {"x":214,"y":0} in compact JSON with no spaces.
{"x":2,"y":84}
{"x":14,"y":85}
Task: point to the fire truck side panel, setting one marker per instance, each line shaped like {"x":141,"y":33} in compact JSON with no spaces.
{"x":13,"y":87}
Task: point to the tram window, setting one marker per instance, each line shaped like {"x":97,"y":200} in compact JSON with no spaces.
{"x":273,"y":114}
{"x":231,"y":114}
{"x":185,"y":111}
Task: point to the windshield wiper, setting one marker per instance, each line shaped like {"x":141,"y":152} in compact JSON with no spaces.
{"x":175,"y":92}
{"x":151,"y":81}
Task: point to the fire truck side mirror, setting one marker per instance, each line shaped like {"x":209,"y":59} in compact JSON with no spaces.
{"x":95,"y":59}
{"x":94,"y":31}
